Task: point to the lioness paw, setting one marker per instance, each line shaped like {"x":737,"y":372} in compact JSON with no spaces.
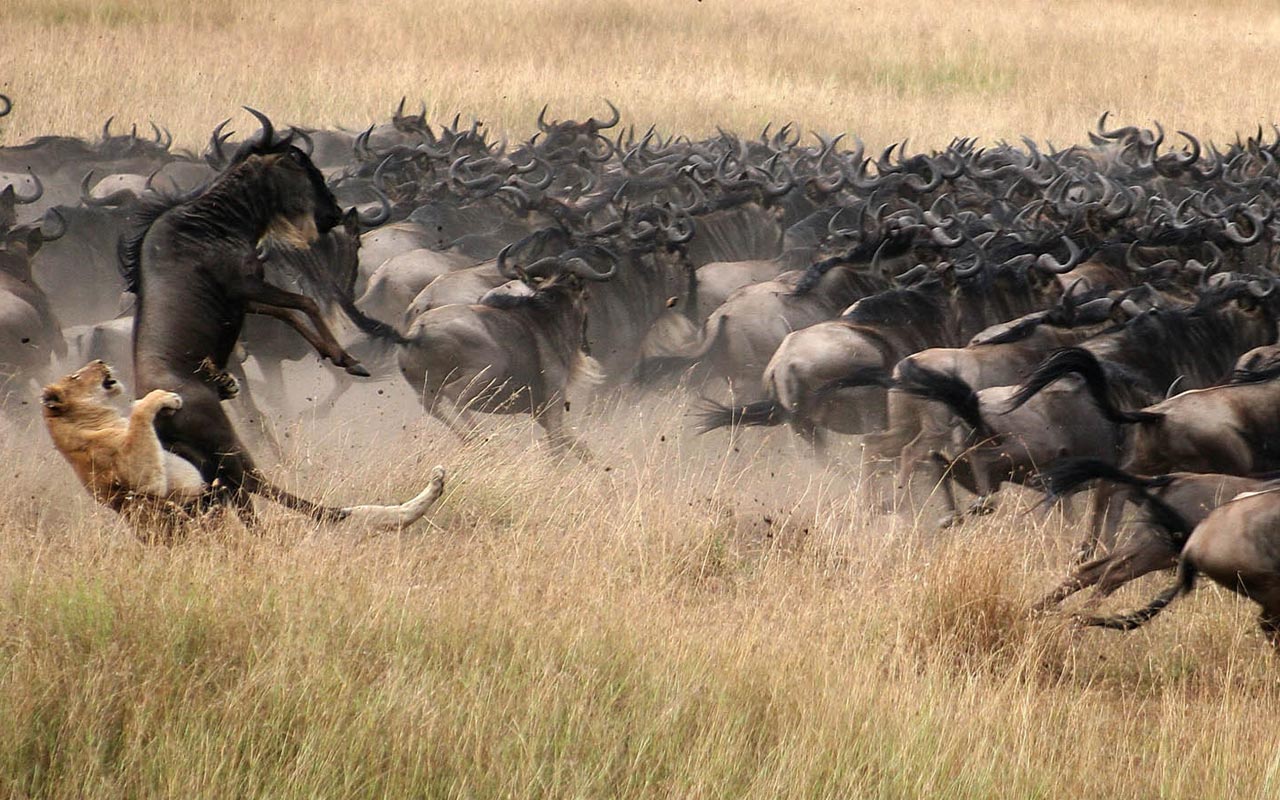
{"x":171,"y":400}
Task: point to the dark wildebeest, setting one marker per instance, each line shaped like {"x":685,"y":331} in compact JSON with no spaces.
{"x":1236,"y":546}
{"x":512,"y":353}
{"x":196,"y":269}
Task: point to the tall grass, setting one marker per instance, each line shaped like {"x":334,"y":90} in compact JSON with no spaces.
{"x":689,"y":617}
{"x":881,"y":69}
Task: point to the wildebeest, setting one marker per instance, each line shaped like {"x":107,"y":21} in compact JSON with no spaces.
{"x":30,"y":334}
{"x":197,"y":271}
{"x":1173,"y":504}
{"x":512,"y":353}
{"x":1236,"y":546}
{"x":1021,"y":431}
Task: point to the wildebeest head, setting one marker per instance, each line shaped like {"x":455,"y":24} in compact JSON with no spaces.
{"x":298,"y":187}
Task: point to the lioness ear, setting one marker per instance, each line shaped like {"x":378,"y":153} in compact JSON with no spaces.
{"x":51,"y":400}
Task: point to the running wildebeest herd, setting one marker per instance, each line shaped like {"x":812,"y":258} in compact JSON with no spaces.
{"x":1101,"y":317}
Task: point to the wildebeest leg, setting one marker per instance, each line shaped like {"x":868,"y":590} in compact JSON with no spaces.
{"x":321,"y":339}
{"x":257,"y":419}
{"x":1148,"y":553}
{"x":943,"y":478}
{"x":811,"y":433}
{"x":1105,"y":509}
{"x":561,"y":441}
{"x":203,"y":434}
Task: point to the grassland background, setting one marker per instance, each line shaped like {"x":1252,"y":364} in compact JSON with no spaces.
{"x":688,"y":617}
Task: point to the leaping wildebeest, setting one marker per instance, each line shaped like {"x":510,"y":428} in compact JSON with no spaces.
{"x":197,"y":271}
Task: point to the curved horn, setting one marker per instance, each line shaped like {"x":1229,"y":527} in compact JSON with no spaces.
{"x":503,"y":269}
{"x":542,"y":121}
{"x":597,"y":125}
{"x":912,"y":275}
{"x":215,"y":157}
{"x":85,"y":197}
{"x":6,"y":105}
{"x":306,"y":140}
{"x":1232,"y":231}
{"x":940,"y":237}
{"x":1047,"y":261}
{"x":36,"y":195}
{"x":383,"y":214}
{"x":576,"y":265}
{"x":268,"y":133}
{"x":106,"y":128}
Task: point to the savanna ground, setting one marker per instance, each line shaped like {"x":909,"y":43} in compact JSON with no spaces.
{"x":688,"y":617}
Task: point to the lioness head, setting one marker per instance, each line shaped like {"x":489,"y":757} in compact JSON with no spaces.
{"x":92,"y":386}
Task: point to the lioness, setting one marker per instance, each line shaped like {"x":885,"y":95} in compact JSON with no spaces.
{"x":123,"y":465}
{"x":118,"y":459}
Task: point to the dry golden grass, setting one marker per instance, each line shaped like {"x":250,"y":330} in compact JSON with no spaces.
{"x":688,"y":617}
{"x":883,"y":69}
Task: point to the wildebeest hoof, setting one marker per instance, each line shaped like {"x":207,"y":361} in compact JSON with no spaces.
{"x":982,"y":507}
{"x":358,"y":370}
{"x":950,"y":521}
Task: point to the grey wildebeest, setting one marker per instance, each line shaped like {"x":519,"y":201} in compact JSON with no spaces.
{"x":1236,"y":546}
{"x":30,"y":334}
{"x":834,"y":375}
{"x":511,"y":353}
{"x":998,"y":356}
{"x":196,"y":269}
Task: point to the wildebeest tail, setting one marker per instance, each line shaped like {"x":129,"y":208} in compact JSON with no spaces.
{"x":1068,"y":475}
{"x":673,"y":352}
{"x":712,"y":415}
{"x":940,"y":387}
{"x":368,"y":325}
{"x":863,"y":376}
{"x":1185,"y":582}
{"x":1078,"y":361}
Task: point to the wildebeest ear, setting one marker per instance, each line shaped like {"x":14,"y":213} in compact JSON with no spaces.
{"x":52,"y":400}
{"x":35,"y":240}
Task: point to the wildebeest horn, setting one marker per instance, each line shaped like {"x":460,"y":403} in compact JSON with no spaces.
{"x":106,"y":128}
{"x":503,"y":270}
{"x":1047,"y":261}
{"x":6,"y":105}
{"x":575,"y":264}
{"x":1191,"y":157}
{"x":1232,"y":231}
{"x":913,"y":274}
{"x":383,"y":214}
{"x":939,"y":236}
{"x":1129,"y":307}
{"x":597,"y":125}
{"x":36,"y":195}
{"x":268,"y":133}
{"x":542,"y":121}
{"x":50,"y":233}
{"x":215,"y":157}
{"x":85,"y":197}
{"x":306,"y":140}
{"x":1261,"y":288}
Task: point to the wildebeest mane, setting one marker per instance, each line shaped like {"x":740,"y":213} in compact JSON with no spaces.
{"x":1242,"y":376}
{"x":1060,"y":316}
{"x":896,"y":306}
{"x":864,"y":252}
{"x":129,"y":246}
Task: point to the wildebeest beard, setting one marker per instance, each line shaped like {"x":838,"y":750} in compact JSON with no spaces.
{"x":196,"y":269}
